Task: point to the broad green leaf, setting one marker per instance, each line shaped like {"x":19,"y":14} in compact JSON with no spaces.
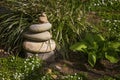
{"x":89,"y":38}
{"x":114,"y":45}
{"x":95,"y":45}
{"x":112,"y":57}
{"x":80,"y":46}
{"x":92,"y":58}
{"x":101,"y":37}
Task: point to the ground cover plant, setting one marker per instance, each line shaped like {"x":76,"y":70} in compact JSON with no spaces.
{"x":15,"y":68}
{"x":89,"y":26}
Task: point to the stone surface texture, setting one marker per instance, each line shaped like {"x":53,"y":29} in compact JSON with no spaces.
{"x":43,"y":36}
{"x":37,"y":47}
{"x":40,"y":27}
{"x":38,"y":40}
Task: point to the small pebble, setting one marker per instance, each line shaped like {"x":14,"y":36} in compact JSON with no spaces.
{"x":43,"y":18}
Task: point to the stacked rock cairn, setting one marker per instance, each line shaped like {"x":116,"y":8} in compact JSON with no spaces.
{"x":38,"y":40}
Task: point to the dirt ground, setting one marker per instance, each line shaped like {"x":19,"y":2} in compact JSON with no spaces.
{"x":77,"y":63}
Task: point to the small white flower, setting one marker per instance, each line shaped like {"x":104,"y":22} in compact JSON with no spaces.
{"x":79,"y":78}
{"x":25,"y":66}
{"x":30,"y":63}
{"x":107,"y":20}
{"x":75,"y":74}
{"x":3,"y":78}
{"x":25,"y":62}
{"x":109,"y":29}
{"x":103,"y":19}
{"x":103,"y":2}
{"x":98,"y":4}
{"x":115,"y":28}
{"x":27,"y":59}
{"x":113,"y":23}
{"x":115,"y":20}
{"x":94,"y":4}
{"x":111,"y":3}
{"x":33,"y":67}
{"x":71,"y":76}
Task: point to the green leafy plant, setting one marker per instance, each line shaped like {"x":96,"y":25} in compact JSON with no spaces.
{"x":96,"y":47}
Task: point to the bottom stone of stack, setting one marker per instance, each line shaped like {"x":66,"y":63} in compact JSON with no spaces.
{"x":36,"y":47}
{"x":48,"y":57}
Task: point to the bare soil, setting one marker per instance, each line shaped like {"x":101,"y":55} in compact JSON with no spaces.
{"x":77,"y":63}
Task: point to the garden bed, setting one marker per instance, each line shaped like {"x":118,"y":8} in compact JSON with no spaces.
{"x":90,"y":26}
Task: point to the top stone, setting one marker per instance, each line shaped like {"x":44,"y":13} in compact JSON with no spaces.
{"x":43,"y":18}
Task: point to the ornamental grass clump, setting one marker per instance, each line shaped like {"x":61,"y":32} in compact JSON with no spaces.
{"x":67,"y":18}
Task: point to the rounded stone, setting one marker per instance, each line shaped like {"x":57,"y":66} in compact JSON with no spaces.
{"x":39,"y":47}
{"x":43,"y":18}
{"x":43,"y":36}
{"x":40,"y":27}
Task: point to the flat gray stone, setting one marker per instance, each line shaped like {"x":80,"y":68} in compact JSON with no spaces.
{"x":40,"y":27}
{"x":49,"y":57}
{"x":37,"y":47}
{"x":43,"y":36}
